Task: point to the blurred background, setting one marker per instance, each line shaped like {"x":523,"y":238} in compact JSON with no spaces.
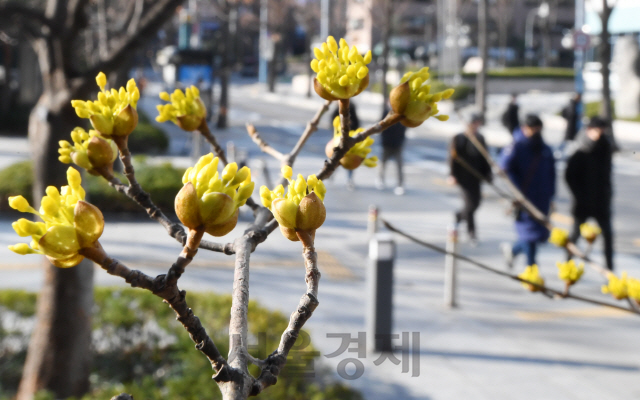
{"x":250,"y":59}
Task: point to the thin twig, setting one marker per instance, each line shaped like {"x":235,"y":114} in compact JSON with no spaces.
{"x":206,"y":132}
{"x":544,"y":289}
{"x":309,"y":130}
{"x":264,"y":146}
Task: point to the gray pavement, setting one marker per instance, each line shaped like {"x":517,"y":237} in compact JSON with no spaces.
{"x":501,"y":343}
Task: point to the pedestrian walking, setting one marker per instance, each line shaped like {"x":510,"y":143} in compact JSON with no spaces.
{"x":468,"y":168}
{"x":510,"y":118}
{"x":530,"y":165}
{"x":392,"y":144}
{"x":354,"y":123}
{"x":588,"y":176}
{"x":572,"y":113}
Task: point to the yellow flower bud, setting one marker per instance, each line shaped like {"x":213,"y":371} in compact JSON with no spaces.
{"x":20,"y":203}
{"x":412,"y":100}
{"x":209,"y":201}
{"x":617,"y":287}
{"x":590,"y":232}
{"x":559,"y":237}
{"x":89,"y":151}
{"x":356,"y":154}
{"x":185,"y":109}
{"x":531,"y":274}
{"x":70,"y":224}
{"x":114,"y":112}
{"x":569,"y":272}
{"x":633,"y":289}
{"x":341,"y":72}
{"x":301,"y":209}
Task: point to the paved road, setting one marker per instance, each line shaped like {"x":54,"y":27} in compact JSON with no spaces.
{"x":501,"y":343}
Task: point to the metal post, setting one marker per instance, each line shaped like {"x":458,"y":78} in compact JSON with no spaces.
{"x":264,"y":37}
{"x":231,"y":152}
{"x":196,"y":146}
{"x":380,"y":288}
{"x":450,"y":268}
{"x":372,"y":221}
{"x":324,"y":19}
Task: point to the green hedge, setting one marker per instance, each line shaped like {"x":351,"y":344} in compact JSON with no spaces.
{"x":163,"y":363}
{"x":162,"y":182}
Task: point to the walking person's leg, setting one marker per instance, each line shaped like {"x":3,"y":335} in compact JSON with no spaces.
{"x":604,"y":221}
{"x":383,"y":165}
{"x":397,"y":155}
{"x":575,"y":231}
{"x":531,"y":249}
{"x":472,"y":205}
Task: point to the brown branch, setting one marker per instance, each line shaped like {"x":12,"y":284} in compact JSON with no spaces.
{"x":206,"y":132}
{"x":311,"y":127}
{"x":264,"y":146}
{"x":162,"y":287}
{"x":13,"y":10}
{"x":545,"y":290}
{"x":307,"y":305}
{"x":348,"y":142}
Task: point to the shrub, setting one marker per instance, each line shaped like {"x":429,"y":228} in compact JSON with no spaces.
{"x":147,"y":138}
{"x":141,"y":349}
{"x":162,"y":182}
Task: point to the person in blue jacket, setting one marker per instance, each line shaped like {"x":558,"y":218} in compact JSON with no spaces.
{"x":530,"y":165}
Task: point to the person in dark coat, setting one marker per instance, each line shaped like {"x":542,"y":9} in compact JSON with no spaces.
{"x":530,"y":165}
{"x":572,"y":114}
{"x":392,"y":140}
{"x":468,"y":167}
{"x":510,"y":118}
{"x":588,"y":175}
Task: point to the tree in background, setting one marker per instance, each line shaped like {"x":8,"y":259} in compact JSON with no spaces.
{"x":605,"y":58}
{"x":61,"y":32}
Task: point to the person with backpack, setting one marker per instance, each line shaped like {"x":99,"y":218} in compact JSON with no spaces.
{"x":530,"y":165}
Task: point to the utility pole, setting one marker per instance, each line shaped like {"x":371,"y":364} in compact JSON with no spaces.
{"x":324,"y":19}
{"x":264,"y":37}
{"x":481,"y":77}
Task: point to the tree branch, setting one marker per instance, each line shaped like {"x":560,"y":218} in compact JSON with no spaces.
{"x":264,"y":146}
{"x":549,"y":292}
{"x":309,"y":130}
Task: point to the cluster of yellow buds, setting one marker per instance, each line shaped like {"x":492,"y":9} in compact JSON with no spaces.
{"x":559,"y":237}
{"x":185,"y":109}
{"x":301,"y":209}
{"x":617,"y":287}
{"x":211,"y":200}
{"x":412,"y":99}
{"x":70,"y":224}
{"x":341,"y":71}
{"x":532,"y":274}
{"x":357,"y":154}
{"x":569,"y":271}
{"x":89,"y":151}
{"x":633,"y":289}
{"x":590,"y":232}
{"x":114,"y":113}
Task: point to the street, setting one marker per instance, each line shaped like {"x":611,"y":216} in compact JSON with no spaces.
{"x":502,"y":342}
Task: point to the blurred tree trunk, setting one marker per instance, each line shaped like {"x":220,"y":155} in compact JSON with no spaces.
{"x":605,"y":59}
{"x":59,"y":354}
{"x":481,"y":78}
{"x":386,"y":37}
{"x":58,"y":358}
{"x":224,"y":67}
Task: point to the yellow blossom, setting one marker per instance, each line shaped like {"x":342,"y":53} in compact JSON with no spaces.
{"x":357,"y":154}
{"x":559,"y":237}
{"x":569,"y":272}
{"x":114,"y":113}
{"x":413,"y":100}
{"x":617,"y":287}
{"x":185,"y":109}
{"x":89,"y":151}
{"x":341,"y":71}
{"x":633,"y":288}
{"x":532,"y":274}
{"x":301,"y":208}
{"x":69,"y":224}
{"x":590,"y":231}
{"x":210,"y":199}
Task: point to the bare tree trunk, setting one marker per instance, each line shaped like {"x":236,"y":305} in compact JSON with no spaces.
{"x":605,"y":59}
{"x":224,"y":69}
{"x":58,"y":358}
{"x":386,"y":36}
{"x":481,"y":78}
